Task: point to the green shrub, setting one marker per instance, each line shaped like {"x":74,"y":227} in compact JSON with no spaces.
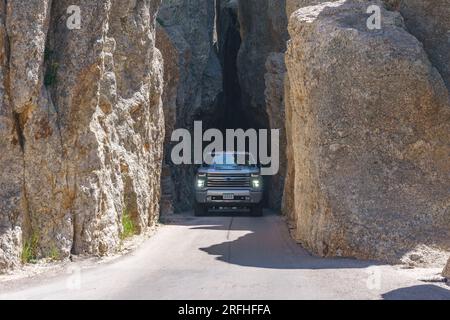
{"x":54,"y":254}
{"x":128,"y":227}
{"x":30,"y":249}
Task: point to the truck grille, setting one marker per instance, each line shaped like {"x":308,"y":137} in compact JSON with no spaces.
{"x":224,"y":180}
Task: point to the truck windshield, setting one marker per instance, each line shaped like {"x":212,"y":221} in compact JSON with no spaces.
{"x":233,"y":159}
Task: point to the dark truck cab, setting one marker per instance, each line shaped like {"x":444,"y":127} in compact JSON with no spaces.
{"x":226,"y":185}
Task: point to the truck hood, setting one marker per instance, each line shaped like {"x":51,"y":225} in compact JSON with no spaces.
{"x":229,"y":169}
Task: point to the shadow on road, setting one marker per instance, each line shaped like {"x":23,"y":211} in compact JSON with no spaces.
{"x":262,"y":243}
{"x":423,"y":292}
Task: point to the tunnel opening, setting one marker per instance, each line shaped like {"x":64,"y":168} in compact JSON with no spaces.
{"x":233,"y":112}
{"x":228,"y":111}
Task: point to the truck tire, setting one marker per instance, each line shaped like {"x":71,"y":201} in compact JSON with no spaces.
{"x":257,"y":210}
{"x":200,"y":210}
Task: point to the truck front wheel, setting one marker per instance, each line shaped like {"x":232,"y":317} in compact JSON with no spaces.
{"x":200,"y":209}
{"x":257,"y":210}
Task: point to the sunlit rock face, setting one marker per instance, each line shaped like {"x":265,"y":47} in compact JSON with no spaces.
{"x":446,"y":272}
{"x":81,"y":126}
{"x":368,"y":120}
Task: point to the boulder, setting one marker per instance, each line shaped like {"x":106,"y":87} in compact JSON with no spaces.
{"x":369,"y":132}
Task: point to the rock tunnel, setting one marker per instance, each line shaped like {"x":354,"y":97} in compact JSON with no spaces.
{"x":363,"y":114}
{"x":224,"y":103}
{"x":241,"y":65}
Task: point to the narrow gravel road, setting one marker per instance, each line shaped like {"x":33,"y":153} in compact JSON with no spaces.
{"x":226,"y":258}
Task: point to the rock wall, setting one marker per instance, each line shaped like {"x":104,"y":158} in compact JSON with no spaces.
{"x":233,"y":115}
{"x":263,"y":26}
{"x":446,"y":272}
{"x":294,"y":5}
{"x":287,"y":204}
{"x":369,"y":144}
{"x":275,"y":108}
{"x":171,"y":83}
{"x":81,"y":126}
{"x":187,"y":42}
{"x":263,"y":31}
{"x":227,"y":27}
{"x":429,"y":21}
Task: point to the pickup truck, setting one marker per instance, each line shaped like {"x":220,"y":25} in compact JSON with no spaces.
{"x":225,"y":186}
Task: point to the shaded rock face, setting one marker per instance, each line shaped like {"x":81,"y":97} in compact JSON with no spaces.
{"x":81,"y":126}
{"x":261,"y":69}
{"x":187,"y":42}
{"x":227,"y":27}
{"x":263,"y":31}
{"x":233,"y":112}
{"x":275,"y":106}
{"x":429,"y":21}
{"x":370,"y":145}
{"x":171,"y":82}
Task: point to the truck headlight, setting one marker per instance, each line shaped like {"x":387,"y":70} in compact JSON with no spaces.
{"x":200,"y":182}
{"x":256,"y":182}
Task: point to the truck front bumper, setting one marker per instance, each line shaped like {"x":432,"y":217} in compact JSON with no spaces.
{"x":241,"y":197}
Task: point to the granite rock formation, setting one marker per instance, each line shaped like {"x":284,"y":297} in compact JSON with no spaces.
{"x":81,"y":126}
{"x":369,"y":144}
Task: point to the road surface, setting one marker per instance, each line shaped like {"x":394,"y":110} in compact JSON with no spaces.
{"x":225,"y":258}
